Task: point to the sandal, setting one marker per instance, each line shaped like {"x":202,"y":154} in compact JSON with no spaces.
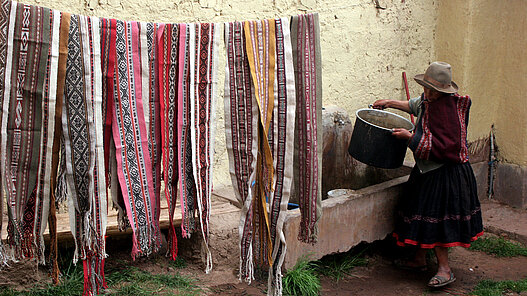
{"x":403,"y":264}
{"x":441,"y":281}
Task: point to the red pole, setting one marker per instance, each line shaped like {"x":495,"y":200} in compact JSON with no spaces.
{"x":407,"y":93}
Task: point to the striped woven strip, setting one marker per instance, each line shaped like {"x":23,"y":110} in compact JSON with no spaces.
{"x":28,"y":119}
{"x":187,"y":183}
{"x":204,"y":85}
{"x":305,"y":35}
{"x":110,"y":159}
{"x":134,"y":167}
{"x":52,"y":220}
{"x":151,"y":105}
{"x":283,"y":134}
{"x":168,"y":39}
{"x":5,"y":9}
{"x":260,"y":39}
{"x":82,"y":124}
{"x":241,"y":128}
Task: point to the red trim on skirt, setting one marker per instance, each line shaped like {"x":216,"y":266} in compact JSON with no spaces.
{"x":431,"y":246}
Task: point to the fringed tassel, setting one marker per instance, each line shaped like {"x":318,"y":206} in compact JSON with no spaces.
{"x":247,"y":275}
{"x":61,"y":192}
{"x":309,"y":234}
{"x":94,"y":280}
{"x":151,"y":246}
{"x":172,"y":242}
{"x":4,"y":258}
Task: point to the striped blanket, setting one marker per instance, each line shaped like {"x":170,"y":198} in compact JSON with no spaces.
{"x":83,"y":156}
{"x":29,"y":54}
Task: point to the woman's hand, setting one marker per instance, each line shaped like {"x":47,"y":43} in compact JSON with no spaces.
{"x":401,"y":133}
{"x":381,"y":104}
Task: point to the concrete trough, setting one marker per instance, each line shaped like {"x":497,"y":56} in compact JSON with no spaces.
{"x":348,"y":218}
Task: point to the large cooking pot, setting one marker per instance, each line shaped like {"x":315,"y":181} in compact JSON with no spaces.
{"x":372,"y":141}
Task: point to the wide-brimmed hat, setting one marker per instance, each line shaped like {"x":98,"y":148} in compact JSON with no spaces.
{"x":438,"y":76}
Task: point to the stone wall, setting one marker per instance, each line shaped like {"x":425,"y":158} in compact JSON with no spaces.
{"x":484,"y":40}
{"x":364,"y":49}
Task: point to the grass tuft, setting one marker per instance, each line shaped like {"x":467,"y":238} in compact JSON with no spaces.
{"x":178,"y":263}
{"x":340,"y":265}
{"x":499,"y":247}
{"x":492,"y":288}
{"x":302,"y":279}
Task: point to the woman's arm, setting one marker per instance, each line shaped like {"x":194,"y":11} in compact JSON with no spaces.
{"x":401,"y":105}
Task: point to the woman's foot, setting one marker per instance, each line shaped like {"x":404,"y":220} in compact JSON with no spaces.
{"x":441,"y":279}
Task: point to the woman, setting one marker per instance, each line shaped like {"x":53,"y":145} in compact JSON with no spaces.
{"x":440,"y":206}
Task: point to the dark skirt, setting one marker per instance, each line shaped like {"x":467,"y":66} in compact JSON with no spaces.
{"x":439,"y":208}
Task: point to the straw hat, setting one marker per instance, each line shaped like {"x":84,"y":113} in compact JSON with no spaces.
{"x":438,"y":76}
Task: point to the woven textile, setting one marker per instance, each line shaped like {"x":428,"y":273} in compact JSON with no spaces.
{"x":28,"y":114}
{"x":110,"y":159}
{"x":241,"y":128}
{"x":282,"y":146}
{"x":52,"y":220}
{"x":169,"y":69}
{"x":134,"y":167}
{"x":203,"y":110}
{"x":245,"y":138}
{"x":305,"y":35}
{"x":441,"y":131}
{"x":187,"y":83}
{"x":260,"y":47}
{"x":83,"y":154}
{"x":5,"y":9}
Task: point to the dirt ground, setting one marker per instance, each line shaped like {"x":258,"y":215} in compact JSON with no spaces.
{"x":379,"y":277}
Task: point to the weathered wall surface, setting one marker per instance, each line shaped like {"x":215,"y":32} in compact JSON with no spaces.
{"x":485,"y":42}
{"x":364,"y":49}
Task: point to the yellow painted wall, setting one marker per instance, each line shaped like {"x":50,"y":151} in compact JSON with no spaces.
{"x":364,"y":49}
{"x":486,"y":42}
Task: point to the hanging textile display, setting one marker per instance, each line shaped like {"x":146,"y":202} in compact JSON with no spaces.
{"x":28,"y":114}
{"x":110,"y":159}
{"x":282,"y":145}
{"x":187,"y":84}
{"x":203,"y":111}
{"x":272,"y":103}
{"x":83,"y":173}
{"x":151,"y":105}
{"x":305,"y":35}
{"x":169,"y":69}
{"x":246,"y":136}
{"x":61,"y":73}
{"x":241,"y":128}
{"x":260,"y":47}
{"x":134,"y":166}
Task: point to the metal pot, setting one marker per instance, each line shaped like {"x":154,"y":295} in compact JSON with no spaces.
{"x":372,"y":142}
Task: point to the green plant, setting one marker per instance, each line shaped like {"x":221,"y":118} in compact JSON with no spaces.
{"x":339,"y":265}
{"x":492,"y":288}
{"x":499,"y":247}
{"x":302,"y":279}
{"x":178,"y":263}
